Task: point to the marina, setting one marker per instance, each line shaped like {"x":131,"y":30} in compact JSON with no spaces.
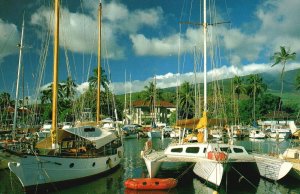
{"x":219,"y":123}
{"x":133,"y":166}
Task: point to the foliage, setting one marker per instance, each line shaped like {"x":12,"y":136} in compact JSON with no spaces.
{"x":282,"y":57}
{"x":186,"y":101}
{"x":93,"y":80}
{"x":297,"y":81}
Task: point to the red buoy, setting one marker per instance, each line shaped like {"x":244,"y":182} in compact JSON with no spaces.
{"x":150,"y":183}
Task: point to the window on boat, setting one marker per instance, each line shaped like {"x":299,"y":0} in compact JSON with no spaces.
{"x":89,"y":129}
{"x":193,"y":150}
{"x":225,"y":149}
{"x":238,"y":150}
{"x":176,"y":150}
{"x":204,"y":150}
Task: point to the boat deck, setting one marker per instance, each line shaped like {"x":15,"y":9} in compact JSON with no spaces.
{"x":159,"y":156}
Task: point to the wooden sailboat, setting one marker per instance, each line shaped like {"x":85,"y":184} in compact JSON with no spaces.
{"x":212,"y":160}
{"x":69,"y":154}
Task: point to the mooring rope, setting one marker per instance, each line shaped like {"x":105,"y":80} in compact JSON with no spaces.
{"x":244,"y":177}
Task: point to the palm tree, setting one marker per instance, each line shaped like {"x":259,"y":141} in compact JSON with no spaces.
{"x":69,"y":88}
{"x":255,"y":88}
{"x":149,"y":95}
{"x":46,"y":95}
{"x":5,"y":100}
{"x":186,"y":100}
{"x":282,"y":57}
{"x":297,"y":84}
{"x":238,"y":88}
{"x":93,"y":80}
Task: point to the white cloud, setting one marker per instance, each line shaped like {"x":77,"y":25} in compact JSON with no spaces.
{"x":156,"y":47}
{"x":83,"y":87}
{"x":173,"y":80}
{"x":275,"y":26}
{"x":78,"y":31}
{"x":9,"y":38}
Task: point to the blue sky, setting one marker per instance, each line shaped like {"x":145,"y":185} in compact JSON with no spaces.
{"x":145,"y":39}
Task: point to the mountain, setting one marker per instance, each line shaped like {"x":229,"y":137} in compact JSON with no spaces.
{"x":274,"y":81}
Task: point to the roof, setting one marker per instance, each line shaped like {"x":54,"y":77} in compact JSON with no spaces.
{"x":91,"y":133}
{"x":143,"y":103}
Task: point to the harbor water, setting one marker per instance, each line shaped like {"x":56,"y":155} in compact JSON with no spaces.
{"x":133,"y":166}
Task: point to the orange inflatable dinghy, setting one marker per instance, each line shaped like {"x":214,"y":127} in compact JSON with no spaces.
{"x":150,"y":183}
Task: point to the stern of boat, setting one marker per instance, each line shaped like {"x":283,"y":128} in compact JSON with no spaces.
{"x":210,"y":171}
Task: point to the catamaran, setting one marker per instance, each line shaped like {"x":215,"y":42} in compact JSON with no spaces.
{"x":212,"y":160}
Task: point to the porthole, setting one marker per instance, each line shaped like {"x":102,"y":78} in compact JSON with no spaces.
{"x":94,"y":164}
{"x":71,"y":165}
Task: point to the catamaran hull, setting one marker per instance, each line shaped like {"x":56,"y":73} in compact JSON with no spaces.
{"x":210,"y":170}
{"x":39,"y":170}
{"x":272,"y":168}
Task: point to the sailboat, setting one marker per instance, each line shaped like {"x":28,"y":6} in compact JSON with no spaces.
{"x":3,"y":162}
{"x":69,"y":154}
{"x":212,"y":160}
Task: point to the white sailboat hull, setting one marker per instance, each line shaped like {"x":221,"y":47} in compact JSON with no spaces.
{"x":210,"y":171}
{"x":271,"y":167}
{"x":38,"y":170}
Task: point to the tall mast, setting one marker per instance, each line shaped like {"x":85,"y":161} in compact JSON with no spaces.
{"x":18,"y":80}
{"x":125,"y":100}
{"x":204,"y":53}
{"x":99,"y":63}
{"x":55,"y":76}
{"x":204,"y":64}
{"x":130,"y":91}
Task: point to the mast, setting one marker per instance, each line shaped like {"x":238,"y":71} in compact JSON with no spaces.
{"x":18,"y":80}
{"x":99,"y":63}
{"x":55,"y":76}
{"x":130,"y":102}
{"x":125,"y":101}
{"x":204,"y":64}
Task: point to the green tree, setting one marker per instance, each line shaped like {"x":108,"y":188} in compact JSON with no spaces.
{"x":69,"y":88}
{"x":93,"y":80}
{"x":282,"y":57}
{"x":5,"y":100}
{"x":186,"y":101}
{"x":297,"y":83}
{"x":255,"y":88}
{"x":238,"y":88}
{"x":150,"y":95}
{"x":46,"y":95}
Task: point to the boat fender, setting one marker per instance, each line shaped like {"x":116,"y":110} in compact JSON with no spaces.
{"x":109,"y":163}
{"x":148,"y":145}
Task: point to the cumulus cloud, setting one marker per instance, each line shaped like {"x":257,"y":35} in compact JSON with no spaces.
{"x":173,"y":79}
{"x":9,"y":38}
{"x":155,"y":47}
{"x":79,"y":31}
{"x":275,"y":26}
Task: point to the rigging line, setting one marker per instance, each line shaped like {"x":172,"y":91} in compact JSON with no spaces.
{"x":185,"y":171}
{"x":244,"y":177}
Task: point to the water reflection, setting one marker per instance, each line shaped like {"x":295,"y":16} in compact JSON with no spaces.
{"x":133,"y":166}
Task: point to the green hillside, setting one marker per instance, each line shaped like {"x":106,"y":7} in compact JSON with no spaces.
{"x":290,"y":94}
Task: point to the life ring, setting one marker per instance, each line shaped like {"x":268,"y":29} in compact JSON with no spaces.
{"x":109,"y":163}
